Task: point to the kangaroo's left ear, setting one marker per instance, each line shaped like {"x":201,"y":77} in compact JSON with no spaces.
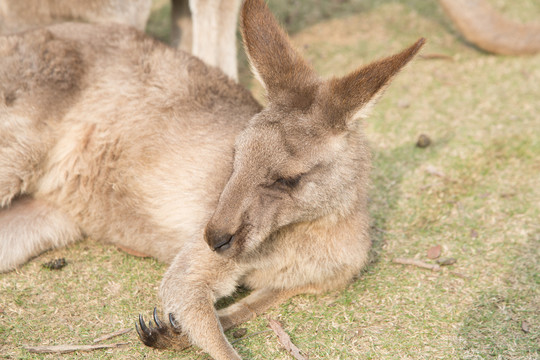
{"x":286,"y":76}
{"x":352,"y":96}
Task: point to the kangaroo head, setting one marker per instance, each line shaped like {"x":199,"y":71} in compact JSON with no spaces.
{"x":303,"y":157}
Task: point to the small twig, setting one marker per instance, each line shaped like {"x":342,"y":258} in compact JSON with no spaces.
{"x":113,"y":334}
{"x":376,"y":228}
{"x":285,"y":340}
{"x":250,"y":335}
{"x":419,"y":263}
{"x":435,"y":56}
{"x":64,"y":349}
{"x":432,"y":170}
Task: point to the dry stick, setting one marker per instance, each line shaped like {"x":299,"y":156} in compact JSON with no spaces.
{"x":64,"y":349}
{"x":285,"y":339}
{"x":376,"y":228}
{"x":113,"y":334}
{"x":419,"y":263}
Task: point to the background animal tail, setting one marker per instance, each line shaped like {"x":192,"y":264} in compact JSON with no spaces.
{"x":28,"y":227}
{"x":483,"y":26}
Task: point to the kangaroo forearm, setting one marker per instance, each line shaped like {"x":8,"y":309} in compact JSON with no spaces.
{"x":200,"y":322}
{"x":253,"y":305}
{"x":189,"y":294}
{"x":195,"y":315}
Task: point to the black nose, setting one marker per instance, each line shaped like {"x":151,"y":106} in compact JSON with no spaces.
{"x":223,"y":242}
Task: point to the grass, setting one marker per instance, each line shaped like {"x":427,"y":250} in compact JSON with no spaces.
{"x":482,"y":113}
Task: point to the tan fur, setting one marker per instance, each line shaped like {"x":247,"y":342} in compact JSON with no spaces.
{"x":111,"y":134}
{"x":40,"y":225}
{"x":19,"y":15}
{"x":484,"y":27}
{"x":206,"y":28}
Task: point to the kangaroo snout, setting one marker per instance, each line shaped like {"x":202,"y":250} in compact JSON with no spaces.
{"x":219,"y":241}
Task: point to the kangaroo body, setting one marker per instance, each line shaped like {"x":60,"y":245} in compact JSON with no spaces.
{"x":21,"y":15}
{"x":206,"y":28}
{"x":486,"y":28}
{"x":109,"y":134}
{"x":89,"y":119}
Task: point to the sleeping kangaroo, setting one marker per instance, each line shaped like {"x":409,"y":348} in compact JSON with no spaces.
{"x":109,"y":134}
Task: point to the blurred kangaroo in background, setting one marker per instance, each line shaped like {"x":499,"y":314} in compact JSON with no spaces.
{"x":206,"y":28}
{"x":21,"y":15}
{"x":110,"y":134}
{"x":486,"y":28}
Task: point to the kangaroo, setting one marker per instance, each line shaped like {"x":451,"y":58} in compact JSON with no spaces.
{"x":21,"y":15}
{"x":110,"y":134}
{"x":206,"y":28}
{"x":483,"y":26}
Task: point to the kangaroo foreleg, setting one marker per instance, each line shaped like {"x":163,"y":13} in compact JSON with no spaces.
{"x":166,"y":333}
{"x":253,"y":305}
{"x":196,"y":278}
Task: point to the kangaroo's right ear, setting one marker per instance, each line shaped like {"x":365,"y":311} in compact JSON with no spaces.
{"x":286,"y":76}
{"x":352,"y":96}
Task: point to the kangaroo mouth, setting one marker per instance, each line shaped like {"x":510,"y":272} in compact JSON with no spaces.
{"x":224,"y":244}
{"x":228,"y":243}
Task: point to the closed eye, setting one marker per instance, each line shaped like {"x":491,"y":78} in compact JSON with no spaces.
{"x":288,"y":182}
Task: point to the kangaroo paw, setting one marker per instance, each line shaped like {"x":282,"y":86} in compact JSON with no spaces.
{"x":163,"y":335}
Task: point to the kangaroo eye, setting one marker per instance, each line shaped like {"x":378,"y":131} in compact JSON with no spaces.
{"x":288,"y":182}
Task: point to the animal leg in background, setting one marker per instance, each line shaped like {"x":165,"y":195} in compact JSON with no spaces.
{"x":214,"y":33}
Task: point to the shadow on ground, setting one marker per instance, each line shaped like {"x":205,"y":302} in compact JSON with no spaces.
{"x":505,"y":322}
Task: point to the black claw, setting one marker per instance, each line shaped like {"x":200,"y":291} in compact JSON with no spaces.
{"x":173,"y":322}
{"x":156,"y":319}
{"x":163,"y":335}
{"x":138,"y":331}
{"x":142,"y":324}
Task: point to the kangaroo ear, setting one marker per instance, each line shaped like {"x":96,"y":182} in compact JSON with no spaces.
{"x":352,"y":97}
{"x":286,"y":76}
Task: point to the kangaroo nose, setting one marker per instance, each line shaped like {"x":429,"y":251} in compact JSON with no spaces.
{"x":219,"y":242}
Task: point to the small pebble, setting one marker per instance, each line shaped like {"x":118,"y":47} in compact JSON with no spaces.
{"x":423,"y":141}
{"x":55,"y":264}
{"x":239,"y":333}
